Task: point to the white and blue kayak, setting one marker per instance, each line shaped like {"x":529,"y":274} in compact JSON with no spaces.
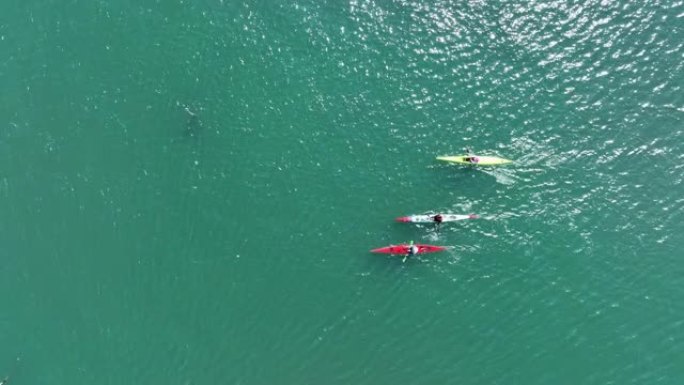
{"x":430,"y":218}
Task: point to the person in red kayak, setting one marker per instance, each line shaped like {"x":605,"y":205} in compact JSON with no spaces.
{"x":438,"y":220}
{"x":410,"y":251}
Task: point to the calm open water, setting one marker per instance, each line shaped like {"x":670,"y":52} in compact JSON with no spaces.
{"x":189,"y":190}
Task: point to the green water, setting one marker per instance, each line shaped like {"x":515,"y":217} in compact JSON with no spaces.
{"x":143,"y":245}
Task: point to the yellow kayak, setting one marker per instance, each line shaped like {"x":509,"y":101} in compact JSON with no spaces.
{"x":475,"y":160}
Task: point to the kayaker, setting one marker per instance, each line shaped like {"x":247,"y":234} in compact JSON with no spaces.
{"x":412,"y":250}
{"x":470,"y":157}
{"x":438,"y":220}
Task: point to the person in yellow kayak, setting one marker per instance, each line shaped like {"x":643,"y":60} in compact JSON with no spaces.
{"x":470,"y":157}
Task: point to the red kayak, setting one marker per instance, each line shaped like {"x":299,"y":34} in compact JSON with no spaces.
{"x":404,"y":249}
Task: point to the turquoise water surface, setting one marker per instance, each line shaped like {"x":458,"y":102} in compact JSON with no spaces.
{"x":189,"y":190}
